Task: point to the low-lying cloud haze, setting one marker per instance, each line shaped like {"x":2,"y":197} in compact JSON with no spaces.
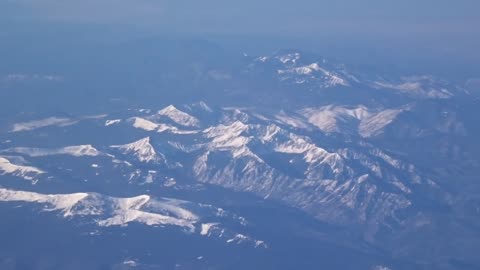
{"x":301,"y":17}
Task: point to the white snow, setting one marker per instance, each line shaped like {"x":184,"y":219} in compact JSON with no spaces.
{"x":204,"y":106}
{"x":381,"y":267}
{"x":422,"y":86}
{"x":111,"y":211}
{"x":142,"y":149}
{"x":112,"y":122}
{"x":225,"y":136}
{"x":201,"y":105}
{"x":126,"y":210}
{"x":130,"y":263}
{"x":63,"y":203}
{"x":290,"y":120}
{"x":150,"y":177}
{"x":174,"y":130}
{"x":148,"y":125}
{"x":311,"y":152}
{"x":262,"y":59}
{"x":36,"y":124}
{"x":229,"y":138}
{"x":239,"y":238}
{"x":179,"y":117}
{"x":170,"y":182}
{"x":301,"y":74}
{"x":77,"y":151}
{"x":106,"y":211}
{"x":260,"y":243}
{"x":374,"y":124}
{"x":366,"y":122}
{"x":174,"y":208}
{"x":290,"y":58}
{"x":144,"y":124}
{"x":270,"y":133}
{"x":206,"y":227}
{"x":26,"y":172}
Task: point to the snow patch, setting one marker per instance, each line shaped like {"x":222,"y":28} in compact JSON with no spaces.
{"x":239,"y":238}
{"x":112,"y":122}
{"x":36,"y":124}
{"x":206,"y":227}
{"x":77,"y":151}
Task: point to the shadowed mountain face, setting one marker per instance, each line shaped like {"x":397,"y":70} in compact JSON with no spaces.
{"x":282,"y":161}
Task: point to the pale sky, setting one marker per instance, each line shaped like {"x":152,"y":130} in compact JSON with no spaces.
{"x":299,"y":17}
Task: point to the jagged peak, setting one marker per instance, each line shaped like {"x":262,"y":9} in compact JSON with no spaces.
{"x":230,"y":130}
{"x":168,"y":109}
{"x":179,"y":117}
{"x":142,"y":149}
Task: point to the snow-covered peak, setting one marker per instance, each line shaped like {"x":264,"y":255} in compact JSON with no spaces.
{"x":142,"y":149}
{"x":26,"y":172}
{"x":418,"y":86}
{"x":148,"y":125}
{"x":312,"y":153}
{"x":229,"y":137}
{"x":298,"y":68}
{"x":226,"y":131}
{"x":312,"y":73}
{"x":179,"y":117}
{"x":365,"y":121}
{"x":107,"y":211}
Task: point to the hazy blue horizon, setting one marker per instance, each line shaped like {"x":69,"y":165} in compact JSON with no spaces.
{"x":437,"y":36}
{"x":247,"y":17}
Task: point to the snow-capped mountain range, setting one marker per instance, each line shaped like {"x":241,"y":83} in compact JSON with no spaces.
{"x":270,"y":156}
{"x":358,"y":161}
{"x":106,"y":211}
{"x":295,"y":68}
